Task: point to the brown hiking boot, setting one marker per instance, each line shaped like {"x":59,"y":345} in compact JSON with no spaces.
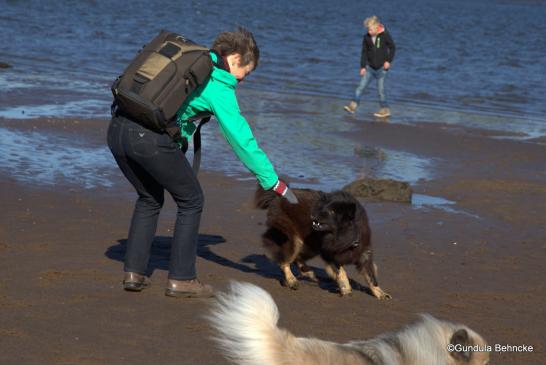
{"x":188,"y":289}
{"x":351,"y":107}
{"x":135,"y":282}
{"x":382,"y":113}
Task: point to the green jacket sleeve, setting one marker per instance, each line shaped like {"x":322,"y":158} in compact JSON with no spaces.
{"x":238,"y":134}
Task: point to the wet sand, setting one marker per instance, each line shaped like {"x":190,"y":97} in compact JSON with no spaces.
{"x":480,"y":263}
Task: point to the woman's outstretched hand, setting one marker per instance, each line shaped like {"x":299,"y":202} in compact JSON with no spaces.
{"x":282,"y":189}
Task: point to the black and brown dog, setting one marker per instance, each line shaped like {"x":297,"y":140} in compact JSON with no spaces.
{"x":332,"y":225}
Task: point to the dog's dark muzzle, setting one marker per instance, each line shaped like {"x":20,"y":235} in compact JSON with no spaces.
{"x":318,"y":226}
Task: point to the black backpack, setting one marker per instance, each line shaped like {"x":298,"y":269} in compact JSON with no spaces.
{"x":157,"y":82}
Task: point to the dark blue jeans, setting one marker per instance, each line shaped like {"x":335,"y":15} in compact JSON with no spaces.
{"x":153,"y":163}
{"x":379,"y":75}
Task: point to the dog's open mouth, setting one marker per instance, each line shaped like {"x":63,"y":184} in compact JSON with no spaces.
{"x":317,"y":226}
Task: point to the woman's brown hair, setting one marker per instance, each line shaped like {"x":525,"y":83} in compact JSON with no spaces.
{"x":240,"y":41}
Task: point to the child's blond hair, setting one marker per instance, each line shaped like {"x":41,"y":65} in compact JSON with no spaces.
{"x":371,"y":21}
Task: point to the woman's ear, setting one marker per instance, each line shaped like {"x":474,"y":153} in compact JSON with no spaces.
{"x":234,"y":59}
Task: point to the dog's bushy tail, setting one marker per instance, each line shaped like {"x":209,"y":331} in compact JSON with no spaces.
{"x":263,"y":198}
{"x":245,"y":320}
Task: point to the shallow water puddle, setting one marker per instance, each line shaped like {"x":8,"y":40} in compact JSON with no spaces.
{"x":422,"y":201}
{"x":49,"y":160}
{"x":67,"y":109}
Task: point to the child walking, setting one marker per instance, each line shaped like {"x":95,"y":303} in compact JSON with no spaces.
{"x":375,"y":61}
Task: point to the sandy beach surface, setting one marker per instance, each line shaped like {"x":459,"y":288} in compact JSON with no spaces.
{"x":479,"y":261}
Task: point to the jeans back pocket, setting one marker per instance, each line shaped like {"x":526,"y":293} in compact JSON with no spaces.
{"x":143,"y":142}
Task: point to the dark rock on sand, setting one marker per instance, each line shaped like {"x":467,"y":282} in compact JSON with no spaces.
{"x":382,"y":189}
{"x":4,"y":65}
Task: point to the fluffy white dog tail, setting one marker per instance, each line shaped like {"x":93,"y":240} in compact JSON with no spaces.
{"x":245,"y":320}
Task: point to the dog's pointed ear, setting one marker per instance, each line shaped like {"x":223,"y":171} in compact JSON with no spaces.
{"x":462,"y":339}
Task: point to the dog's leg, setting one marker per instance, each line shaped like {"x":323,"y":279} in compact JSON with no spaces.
{"x":343,"y":282}
{"x":367,"y":268}
{"x":280,"y":249}
{"x":289,"y":256}
{"x":289,"y":278}
{"x":306,"y":271}
{"x":331,"y":271}
{"x":340,"y":276}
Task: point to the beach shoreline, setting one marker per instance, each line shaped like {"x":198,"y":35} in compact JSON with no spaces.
{"x":478,"y":261}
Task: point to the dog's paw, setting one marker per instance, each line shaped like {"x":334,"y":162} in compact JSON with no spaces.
{"x":381,"y":295}
{"x":310,"y":276}
{"x":385,"y":296}
{"x":344,"y":292}
{"x":294,"y":285}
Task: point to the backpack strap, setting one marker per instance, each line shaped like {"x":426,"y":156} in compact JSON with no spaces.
{"x":173,"y":130}
{"x":197,"y":146}
{"x":204,"y":118}
{"x":114,"y":108}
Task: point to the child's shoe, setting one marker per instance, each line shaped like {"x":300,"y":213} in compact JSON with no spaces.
{"x":351,"y":107}
{"x":382,"y":113}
